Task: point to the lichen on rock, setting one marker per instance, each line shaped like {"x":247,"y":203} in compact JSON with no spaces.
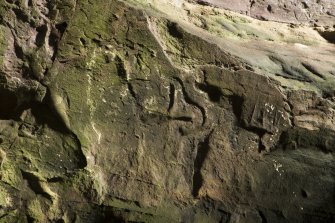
{"x":166,"y":111}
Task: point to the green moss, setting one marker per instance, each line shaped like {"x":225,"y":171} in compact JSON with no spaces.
{"x":5,"y":198}
{"x":11,"y":174}
{"x":235,"y":19}
{"x":38,"y":64}
{"x":3,"y":44}
{"x":35,"y":211}
{"x":13,"y":216}
{"x":4,"y":8}
{"x":93,"y":18}
{"x":328,"y":87}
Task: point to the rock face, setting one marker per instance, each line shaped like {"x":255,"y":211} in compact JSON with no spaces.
{"x":313,"y":12}
{"x":166,"y":111}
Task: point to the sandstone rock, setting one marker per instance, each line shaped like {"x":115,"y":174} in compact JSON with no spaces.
{"x":290,"y":11}
{"x":166,"y":111}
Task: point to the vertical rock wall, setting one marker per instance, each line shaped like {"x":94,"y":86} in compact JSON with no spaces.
{"x":122,"y":111}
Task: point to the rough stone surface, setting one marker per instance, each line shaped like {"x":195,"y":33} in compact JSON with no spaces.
{"x":166,"y":111}
{"x":313,"y":12}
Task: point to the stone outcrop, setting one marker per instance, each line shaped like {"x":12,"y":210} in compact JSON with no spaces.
{"x":166,"y":111}
{"x":312,"y":12}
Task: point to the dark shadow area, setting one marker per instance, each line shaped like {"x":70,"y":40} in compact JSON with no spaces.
{"x":328,"y":35}
{"x":8,"y":104}
{"x":272,"y":216}
{"x":261,"y":214}
{"x":34,"y":184}
{"x":41,"y":34}
{"x":20,"y":14}
{"x":202,"y":152}
{"x":237,"y":103}
{"x":174,"y":30}
{"x":45,"y":116}
{"x":214,"y":93}
{"x":325,"y":213}
{"x":61,"y":27}
{"x":204,"y":3}
{"x":111,"y":217}
{"x":56,"y":35}
{"x":171,"y":97}
{"x":121,"y":71}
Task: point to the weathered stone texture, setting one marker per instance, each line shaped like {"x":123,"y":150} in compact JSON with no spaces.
{"x":122,"y":111}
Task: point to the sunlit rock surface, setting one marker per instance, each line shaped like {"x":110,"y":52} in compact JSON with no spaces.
{"x":167,"y":111}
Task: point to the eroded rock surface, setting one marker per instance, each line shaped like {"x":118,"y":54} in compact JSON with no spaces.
{"x":165,"y":111}
{"x":314,"y":12}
